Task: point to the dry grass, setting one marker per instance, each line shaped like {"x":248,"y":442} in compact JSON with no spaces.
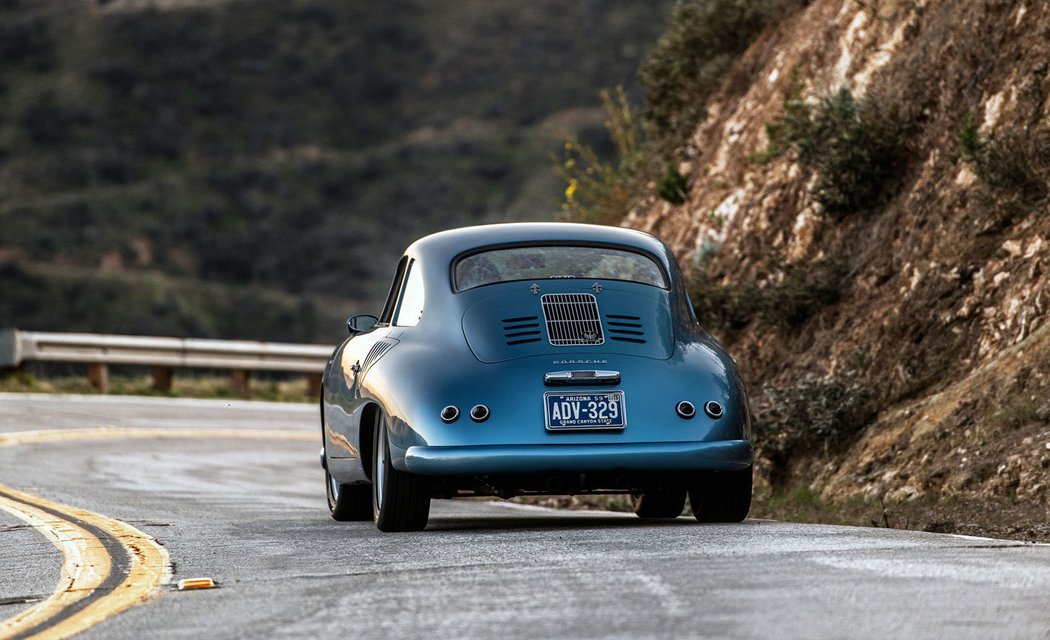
{"x":187,"y":386}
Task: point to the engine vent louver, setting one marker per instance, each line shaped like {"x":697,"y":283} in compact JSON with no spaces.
{"x":522,"y":330}
{"x":625,"y":328}
{"x":572,"y":319}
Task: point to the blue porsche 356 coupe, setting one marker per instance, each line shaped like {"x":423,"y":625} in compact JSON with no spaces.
{"x":534,"y":358}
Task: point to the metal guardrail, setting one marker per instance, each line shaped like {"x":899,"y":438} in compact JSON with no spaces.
{"x":163,"y":354}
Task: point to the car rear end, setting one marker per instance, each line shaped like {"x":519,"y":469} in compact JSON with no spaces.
{"x":586,"y":385}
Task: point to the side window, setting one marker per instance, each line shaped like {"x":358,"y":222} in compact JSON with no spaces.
{"x":411,"y":308}
{"x":395,"y":289}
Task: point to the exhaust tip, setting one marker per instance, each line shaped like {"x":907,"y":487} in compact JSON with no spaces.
{"x":714,"y":410}
{"x":479,"y":413}
{"x":450,"y":414}
{"x":685,"y":409}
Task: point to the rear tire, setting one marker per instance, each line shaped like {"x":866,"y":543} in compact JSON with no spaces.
{"x":722,"y":497}
{"x":348,"y":502}
{"x":400,"y":500}
{"x":659,"y":504}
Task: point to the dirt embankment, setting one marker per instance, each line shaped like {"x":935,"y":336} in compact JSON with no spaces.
{"x":941,"y":315}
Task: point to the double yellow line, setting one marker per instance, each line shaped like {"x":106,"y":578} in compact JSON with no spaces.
{"x":108,"y":565}
{"x":96,"y":580}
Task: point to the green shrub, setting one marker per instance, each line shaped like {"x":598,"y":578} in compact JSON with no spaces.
{"x":689,"y":61}
{"x":815,"y":415}
{"x":786,"y":301}
{"x":1016,"y":415}
{"x":596,"y":190}
{"x":803,"y":289}
{"x":672,"y":185}
{"x":969,"y":139}
{"x":54,"y":120}
{"x":722,"y":307}
{"x":856,"y":146}
{"x":27,"y":38}
{"x":1015,"y":166}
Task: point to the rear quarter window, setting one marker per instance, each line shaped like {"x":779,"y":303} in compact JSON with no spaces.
{"x":411,"y":308}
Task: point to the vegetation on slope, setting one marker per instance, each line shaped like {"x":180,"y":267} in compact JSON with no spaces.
{"x":689,"y":63}
{"x":868,"y":233}
{"x":293,"y":147}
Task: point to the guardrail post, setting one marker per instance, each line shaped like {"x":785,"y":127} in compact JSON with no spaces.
{"x":98,"y":376}
{"x":240,"y":380}
{"x":162,"y":377}
{"x":9,"y":356}
{"x":313,"y":384}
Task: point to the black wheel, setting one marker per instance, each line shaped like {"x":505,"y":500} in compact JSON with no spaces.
{"x":400,"y":501}
{"x":659,"y":504}
{"x":722,"y":497}
{"x":348,"y":502}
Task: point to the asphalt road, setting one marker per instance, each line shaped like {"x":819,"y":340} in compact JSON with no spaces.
{"x":250,"y":513}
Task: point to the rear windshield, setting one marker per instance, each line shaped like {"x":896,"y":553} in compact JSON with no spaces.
{"x":541,"y":263}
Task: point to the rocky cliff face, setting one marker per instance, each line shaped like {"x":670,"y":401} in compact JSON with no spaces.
{"x":941,"y":316}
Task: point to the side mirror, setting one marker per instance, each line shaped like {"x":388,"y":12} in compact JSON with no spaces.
{"x":361,"y":323}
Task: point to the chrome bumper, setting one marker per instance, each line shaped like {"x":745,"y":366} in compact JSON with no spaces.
{"x":724,"y":455}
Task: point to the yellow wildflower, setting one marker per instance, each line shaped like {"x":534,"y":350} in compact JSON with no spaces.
{"x":571,"y":189}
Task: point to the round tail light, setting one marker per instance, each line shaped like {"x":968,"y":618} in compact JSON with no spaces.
{"x":685,"y":409}
{"x":714,"y":410}
{"x":450,"y":414}
{"x":479,"y":413}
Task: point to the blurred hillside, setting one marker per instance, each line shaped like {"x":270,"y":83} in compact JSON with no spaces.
{"x":252,"y":168}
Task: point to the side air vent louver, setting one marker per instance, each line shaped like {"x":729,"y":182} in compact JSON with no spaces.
{"x":522,"y":330}
{"x":625,"y":328}
{"x":377,"y":351}
{"x":572,"y":319}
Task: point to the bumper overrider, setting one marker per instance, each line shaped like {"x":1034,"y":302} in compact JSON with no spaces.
{"x":722,"y":455}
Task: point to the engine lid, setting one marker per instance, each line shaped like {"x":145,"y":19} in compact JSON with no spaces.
{"x":562,"y":318}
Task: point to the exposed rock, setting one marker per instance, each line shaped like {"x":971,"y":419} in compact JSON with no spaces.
{"x":948,"y":296}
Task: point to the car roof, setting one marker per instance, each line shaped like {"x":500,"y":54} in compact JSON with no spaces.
{"x":444,"y":246}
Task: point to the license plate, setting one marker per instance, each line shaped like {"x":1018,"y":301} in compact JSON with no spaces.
{"x":591,"y":410}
